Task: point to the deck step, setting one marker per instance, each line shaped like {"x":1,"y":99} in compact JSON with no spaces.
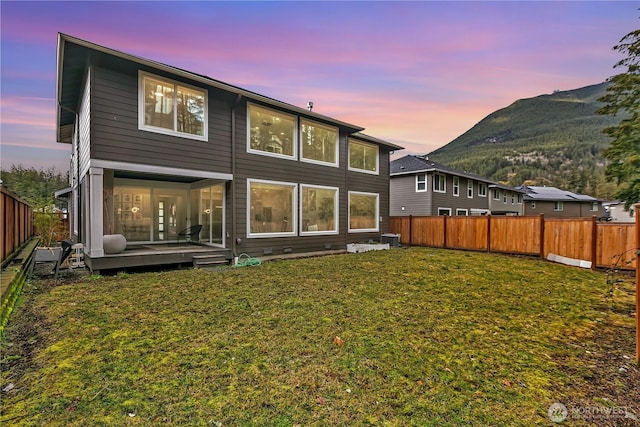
{"x":209,"y":260}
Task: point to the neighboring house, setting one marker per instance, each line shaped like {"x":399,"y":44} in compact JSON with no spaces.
{"x":556,"y":203}
{"x":422,"y":187}
{"x":156,"y":149}
{"x":615,"y":212}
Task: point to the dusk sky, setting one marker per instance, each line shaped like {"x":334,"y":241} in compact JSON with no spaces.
{"x":418,"y":74}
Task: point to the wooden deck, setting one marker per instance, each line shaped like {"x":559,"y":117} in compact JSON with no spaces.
{"x":159,"y":255}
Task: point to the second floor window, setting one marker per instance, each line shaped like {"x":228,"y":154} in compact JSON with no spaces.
{"x":173,"y":108}
{"x":439,"y":183}
{"x":456,"y":186}
{"x":318,"y":143}
{"x":558,"y":206}
{"x":421,"y":182}
{"x":363,"y":157}
{"x":482,"y":189}
{"x":470,"y":189}
{"x":496,"y":194}
{"x":271,"y":132}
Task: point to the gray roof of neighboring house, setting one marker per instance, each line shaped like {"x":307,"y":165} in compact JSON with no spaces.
{"x":412,"y":164}
{"x":554,"y":194}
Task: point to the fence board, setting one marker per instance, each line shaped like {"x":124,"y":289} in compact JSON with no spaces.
{"x":428,"y":231}
{"x":616,"y":245}
{"x":570,"y":238}
{"x":17,"y":222}
{"x":467,"y":232}
{"x":516,"y":234}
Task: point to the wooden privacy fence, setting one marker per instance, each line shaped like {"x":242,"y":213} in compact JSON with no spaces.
{"x":17,"y":222}
{"x":603,"y":244}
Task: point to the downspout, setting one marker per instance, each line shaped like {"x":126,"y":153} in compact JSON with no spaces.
{"x":77,"y":206}
{"x":233,"y":174}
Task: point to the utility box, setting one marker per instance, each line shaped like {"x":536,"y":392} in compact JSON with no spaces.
{"x":392,"y":239}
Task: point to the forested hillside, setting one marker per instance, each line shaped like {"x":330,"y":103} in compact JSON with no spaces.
{"x":547,"y":140}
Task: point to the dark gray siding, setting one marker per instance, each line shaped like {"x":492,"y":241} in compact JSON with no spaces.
{"x":116,"y":137}
{"x":448,"y":200}
{"x":257,"y":166}
{"x":570,"y":209}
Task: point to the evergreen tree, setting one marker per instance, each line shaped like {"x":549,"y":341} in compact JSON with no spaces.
{"x":623,"y":97}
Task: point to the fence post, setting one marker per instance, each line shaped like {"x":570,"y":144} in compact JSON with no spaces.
{"x":638,"y":284}
{"x":542,"y":236}
{"x":444,"y":228}
{"x":594,"y":241}
{"x":410,"y":230}
{"x":489,"y":233}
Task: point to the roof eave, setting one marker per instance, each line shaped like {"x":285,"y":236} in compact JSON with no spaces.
{"x":63,"y":38}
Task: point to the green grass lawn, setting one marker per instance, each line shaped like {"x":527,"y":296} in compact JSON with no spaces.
{"x":426,"y":337}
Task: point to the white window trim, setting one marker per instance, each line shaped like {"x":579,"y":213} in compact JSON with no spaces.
{"x":141,"y":108}
{"x":456,"y":186}
{"x":294,"y":211}
{"x":483,"y":186}
{"x":558,"y":206}
{"x":459,"y":211}
{"x":363,"y":230}
{"x":336,"y":211}
{"x":519,"y":199}
{"x":533,"y":204}
{"x":593,"y":207}
{"x":377,"y":171}
{"x":496,"y":194}
{"x":418,"y":181}
{"x":444,"y":189}
{"x":337,"y":146}
{"x":444,"y":209}
{"x":469,"y":189}
{"x":296,"y":131}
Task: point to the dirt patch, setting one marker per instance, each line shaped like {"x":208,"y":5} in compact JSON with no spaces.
{"x":607,"y":393}
{"x":24,"y":333}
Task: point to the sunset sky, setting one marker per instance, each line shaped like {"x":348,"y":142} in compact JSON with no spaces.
{"x":417,"y":74}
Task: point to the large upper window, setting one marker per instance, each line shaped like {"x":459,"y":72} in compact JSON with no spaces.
{"x":172,"y":108}
{"x":318,"y":143}
{"x":363,"y":212}
{"x":363,"y":157}
{"x":319,"y":210}
{"x":439,"y":183}
{"x":271,"y":132}
{"x":271,"y":208}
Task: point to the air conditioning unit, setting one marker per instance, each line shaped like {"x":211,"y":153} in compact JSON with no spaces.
{"x":392,"y":239}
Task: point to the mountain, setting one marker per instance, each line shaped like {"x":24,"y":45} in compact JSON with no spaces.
{"x":551,"y":139}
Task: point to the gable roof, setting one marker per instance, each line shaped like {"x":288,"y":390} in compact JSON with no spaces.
{"x":74,"y":53}
{"x":553,"y":194}
{"x":411,"y":164}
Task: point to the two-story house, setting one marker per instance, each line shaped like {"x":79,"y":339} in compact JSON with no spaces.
{"x":556,"y":203}
{"x":155,"y":149}
{"x":422,"y":187}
